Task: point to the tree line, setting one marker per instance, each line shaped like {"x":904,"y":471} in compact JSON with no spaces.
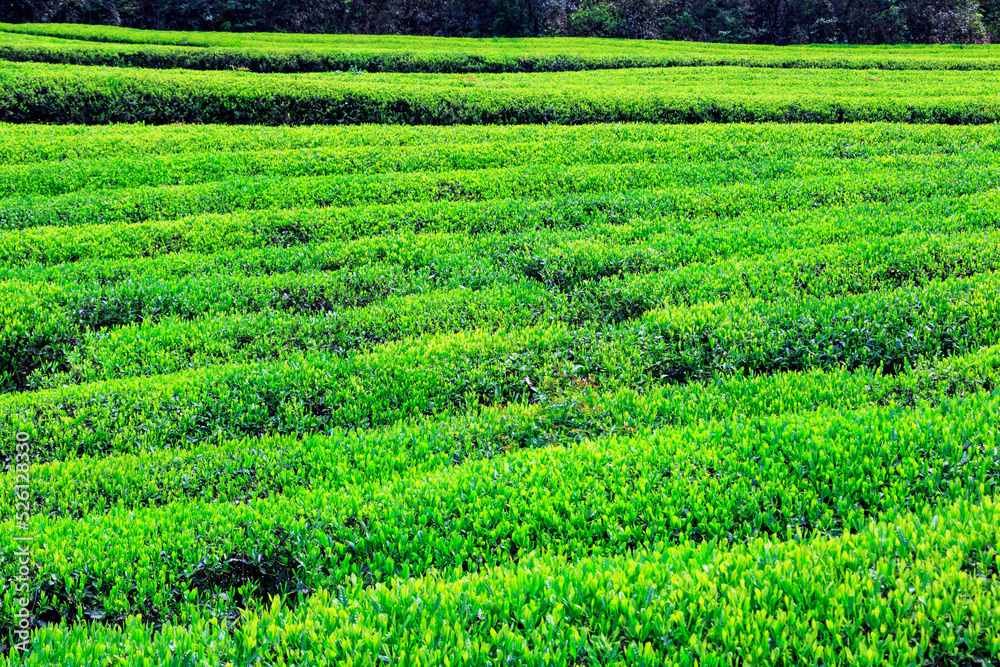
{"x":743,"y":21}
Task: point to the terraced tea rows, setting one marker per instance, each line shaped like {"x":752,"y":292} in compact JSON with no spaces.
{"x":467,"y":395}
{"x":275,"y":52}
{"x":48,"y":93}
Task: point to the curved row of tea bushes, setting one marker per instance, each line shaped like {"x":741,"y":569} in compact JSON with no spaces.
{"x":59,"y":178}
{"x":175,"y":344}
{"x":247,"y":468}
{"x":270,"y":52}
{"x":167,"y":343}
{"x":821,"y":473}
{"x":239,"y":470}
{"x":915,"y":588}
{"x":717,"y":343}
{"x":66,"y":312}
{"x":774,"y":179}
{"x":331,"y":155}
{"x":728,"y":218}
{"x":92,"y":295}
{"x":34,"y":93}
{"x":30,"y":144}
{"x":318,"y":391}
{"x":559,"y":258}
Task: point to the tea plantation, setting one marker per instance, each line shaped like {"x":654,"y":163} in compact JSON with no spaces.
{"x":455,"y":357}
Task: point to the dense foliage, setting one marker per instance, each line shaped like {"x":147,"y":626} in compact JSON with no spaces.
{"x":270,"y":52}
{"x":33,"y":92}
{"x":602,"y":394}
{"x":339,"y":362}
{"x":748,"y":21}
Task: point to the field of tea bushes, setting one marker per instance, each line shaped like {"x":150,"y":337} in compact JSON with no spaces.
{"x":71,"y":74}
{"x":282,"y":52}
{"x":33,"y":92}
{"x":452,"y":390}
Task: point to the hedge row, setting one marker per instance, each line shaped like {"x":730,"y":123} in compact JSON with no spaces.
{"x":319,"y":391}
{"x":728,"y":218}
{"x":784,"y":476}
{"x":251,"y":467}
{"x":62,"y":177}
{"x":915,"y":588}
{"x":126,"y":291}
{"x":588,"y":283}
{"x":88,"y":45}
{"x":27,"y":144}
{"x":871,"y":180}
{"x":248,"y":468}
{"x":242,"y":375}
{"x":31,"y":92}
